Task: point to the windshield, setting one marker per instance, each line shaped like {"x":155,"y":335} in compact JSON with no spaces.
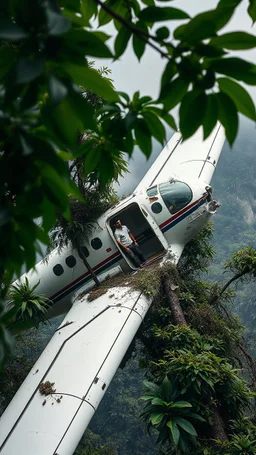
{"x":176,"y":195}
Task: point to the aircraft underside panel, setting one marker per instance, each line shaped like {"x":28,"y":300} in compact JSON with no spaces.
{"x":189,"y":160}
{"x":80,"y":360}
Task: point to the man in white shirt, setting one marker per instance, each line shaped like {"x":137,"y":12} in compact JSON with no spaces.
{"x":128,"y":243}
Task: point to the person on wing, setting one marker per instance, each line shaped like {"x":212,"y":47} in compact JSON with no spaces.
{"x":128,"y":243}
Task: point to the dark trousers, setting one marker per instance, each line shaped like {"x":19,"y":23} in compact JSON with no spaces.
{"x":135,"y":255}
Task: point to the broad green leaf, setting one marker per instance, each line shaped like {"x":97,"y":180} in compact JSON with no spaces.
{"x":92,"y":159}
{"x":186,"y":425}
{"x":173,"y":92}
{"x":207,"y":50}
{"x":196,"y":416}
{"x":125,"y":96}
{"x":156,"y":418}
{"x":27,"y":70}
{"x":252,"y":10}
{"x":192,"y":111}
{"x":143,"y":137}
{"x":239,"y":95}
{"x":72,"y":4}
{"x":88,"y":9}
{"x":139,"y":44}
{"x":204,"y":25}
{"x":237,"y":68}
{"x":169,"y":72}
{"x":92,"y":80}
{"x":11,"y":32}
{"x":158,"y":401}
{"x":182,"y":404}
{"x":84,"y":43}
{"x":57,"y":90}
{"x":55,"y":186}
{"x":155,"y":14}
{"x":175,"y":433}
{"x":57,"y":23}
{"x":121,"y":41}
{"x":211,"y":115}
{"x":156,"y":127}
{"x":228,"y":116}
{"x":235,"y":40}
{"x":169,"y":119}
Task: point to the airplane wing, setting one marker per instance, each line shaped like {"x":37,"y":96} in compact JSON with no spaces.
{"x":186,"y":160}
{"x":81,"y":359}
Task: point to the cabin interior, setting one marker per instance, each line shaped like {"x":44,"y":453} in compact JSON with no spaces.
{"x":137,"y":223}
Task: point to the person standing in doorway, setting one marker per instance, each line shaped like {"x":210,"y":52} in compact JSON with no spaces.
{"x":127,"y":242}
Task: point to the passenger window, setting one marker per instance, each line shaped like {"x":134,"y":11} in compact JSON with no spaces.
{"x":156,"y":207}
{"x":96,"y":243}
{"x":85,"y":251}
{"x":176,"y":195}
{"x":58,"y":270}
{"x":71,"y":261}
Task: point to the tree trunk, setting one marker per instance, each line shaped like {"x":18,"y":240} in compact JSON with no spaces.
{"x":171,"y":294}
{"x":87,"y":265}
{"x":218,"y":431}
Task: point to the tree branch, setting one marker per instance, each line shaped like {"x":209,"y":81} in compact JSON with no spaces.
{"x":144,"y":36}
{"x":235,"y":277}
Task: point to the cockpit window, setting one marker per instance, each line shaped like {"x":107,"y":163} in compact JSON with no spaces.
{"x":152,"y":191}
{"x":176,"y":195}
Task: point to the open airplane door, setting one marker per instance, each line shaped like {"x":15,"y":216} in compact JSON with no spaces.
{"x":149,"y":236}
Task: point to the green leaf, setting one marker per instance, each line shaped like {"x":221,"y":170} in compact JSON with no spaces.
{"x":91,"y":160}
{"x":11,"y":32}
{"x":175,"y":433}
{"x":186,"y":425}
{"x":252,"y":10}
{"x":88,"y":9}
{"x":182,"y":404}
{"x":207,"y":50}
{"x":173,"y":92}
{"x":228,"y":116}
{"x":239,"y":95}
{"x":57,"y":23}
{"x":154,"y":14}
{"x":27,"y":70}
{"x":84,"y":43}
{"x":192,"y":111}
{"x":138,"y":43}
{"x":156,"y":418}
{"x":156,"y":127}
{"x":92,"y":80}
{"x":235,"y":40}
{"x":196,"y":416}
{"x":169,"y":72}
{"x":158,"y":401}
{"x":237,"y":68}
{"x":143,"y":137}
{"x":210,"y":115}
{"x":121,"y":41}
{"x":57,"y":90}
{"x":204,"y":25}
{"x":162,"y":33}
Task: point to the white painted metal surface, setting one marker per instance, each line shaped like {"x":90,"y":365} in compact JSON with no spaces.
{"x":187,"y":161}
{"x":81,"y":360}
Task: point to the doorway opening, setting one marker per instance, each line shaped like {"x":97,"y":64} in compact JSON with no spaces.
{"x":145,"y":235}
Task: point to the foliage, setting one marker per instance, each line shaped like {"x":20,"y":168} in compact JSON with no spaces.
{"x":243,"y":262}
{"x":28,"y":305}
{"x":170,"y":415}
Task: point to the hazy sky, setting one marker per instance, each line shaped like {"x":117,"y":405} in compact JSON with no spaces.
{"x":129,"y":75}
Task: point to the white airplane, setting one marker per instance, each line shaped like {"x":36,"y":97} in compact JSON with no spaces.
{"x":168,"y":208}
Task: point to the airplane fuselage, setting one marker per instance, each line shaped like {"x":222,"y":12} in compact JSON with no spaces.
{"x":162,"y":218}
